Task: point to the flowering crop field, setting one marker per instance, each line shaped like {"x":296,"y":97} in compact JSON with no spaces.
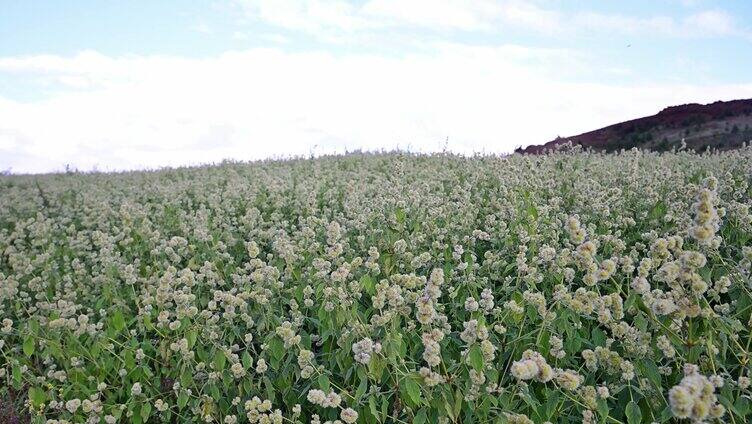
{"x":382,"y":288}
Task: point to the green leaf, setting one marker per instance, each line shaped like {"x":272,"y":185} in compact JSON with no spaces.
{"x":450,"y":412}
{"x":603,"y":409}
{"x":666,"y":414}
{"x":532,"y":211}
{"x":551,"y":403}
{"x":476,"y":357}
{"x":118,"y":321}
{"x":191,"y":337}
{"x":651,"y":371}
{"x":16,"y":372}
{"x":376,"y":367}
{"x":598,"y":337}
{"x":214,"y":390}
{"x":247,"y":360}
{"x":324,"y":382}
{"x":741,"y":406}
{"x":368,"y":284}
{"x":633,"y":413}
{"x":277,"y":348}
{"x":37,"y":396}
{"x":458,"y":397}
{"x":372,"y":407}
{"x":29,"y":346}
{"x":413,"y":389}
{"x":146,"y":411}
{"x":420,"y":417}
{"x":400,"y":215}
{"x":270,"y":392}
{"x":182,"y":400}
{"x":219,"y":360}
{"x":129,"y":360}
{"x":362,"y":389}
{"x":630,"y":301}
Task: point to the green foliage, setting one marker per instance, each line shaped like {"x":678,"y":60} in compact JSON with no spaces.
{"x":381,"y":289}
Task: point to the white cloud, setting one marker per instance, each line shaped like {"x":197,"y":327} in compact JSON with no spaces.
{"x":203,"y":28}
{"x":529,"y":16}
{"x":306,"y":15}
{"x":327,"y":18}
{"x":456,"y":14}
{"x":714,"y":22}
{"x":334,"y":20}
{"x":708,"y":23}
{"x":275,"y":38}
{"x":150,"y":111}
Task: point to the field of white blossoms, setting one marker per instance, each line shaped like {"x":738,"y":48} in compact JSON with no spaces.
{"x":381,"y":288}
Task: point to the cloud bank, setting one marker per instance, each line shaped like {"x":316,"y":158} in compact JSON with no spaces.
{"x":135,"y":112}
{"x":338,"y":19}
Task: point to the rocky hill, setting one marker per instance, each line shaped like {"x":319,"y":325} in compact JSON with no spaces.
{"x":719,"y":125}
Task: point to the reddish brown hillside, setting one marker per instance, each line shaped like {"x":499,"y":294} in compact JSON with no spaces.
{"x":720,"y":125}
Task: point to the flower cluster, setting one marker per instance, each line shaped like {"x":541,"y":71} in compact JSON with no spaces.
{"x":364,"y":349}
{"x":532,"y":365}
{"x":374,"y":288}
{"x":694,"y":397}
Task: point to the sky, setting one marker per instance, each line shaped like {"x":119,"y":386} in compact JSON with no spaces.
{"x":112,"y":85}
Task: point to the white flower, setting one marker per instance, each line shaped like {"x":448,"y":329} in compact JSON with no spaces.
{"x":73,"y":405}
{"x":532,"y":365}
{"x":349,"y":415}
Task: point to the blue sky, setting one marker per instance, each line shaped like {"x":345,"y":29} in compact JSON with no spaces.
{"x":125,"y":85}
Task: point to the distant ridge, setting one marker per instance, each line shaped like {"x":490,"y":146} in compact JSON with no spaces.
{"x":719,"y":125}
